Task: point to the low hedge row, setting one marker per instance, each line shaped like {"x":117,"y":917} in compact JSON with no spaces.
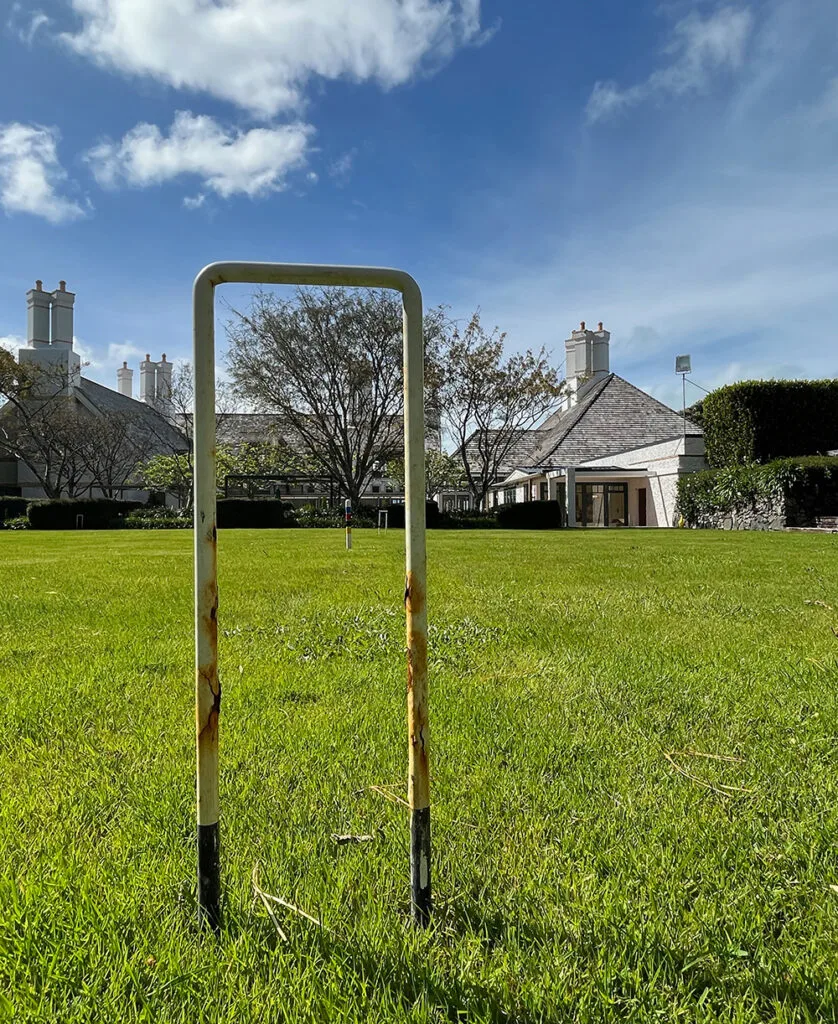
{"x":530,"y":515}
{"x":63,"y":513}
{"x":11,"y":506}
{"x":253,"y":513}
{"x":795,"y":490}
{"x":266,"y":513}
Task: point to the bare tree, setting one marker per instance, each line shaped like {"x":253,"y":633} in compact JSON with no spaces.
{"x":488,"y":403}
{"x":329,"y":362}
{"x":442,"y":473}
{"x":42,"y":426}
{"x":113,"y":447}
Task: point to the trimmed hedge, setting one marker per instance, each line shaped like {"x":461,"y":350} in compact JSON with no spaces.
{"x":467,"y":519}
{"x":395,"y":516}
{"x":11,"y":506}
{"x":61,"y":513}
{"x":764,"y":420}
{"x":795,"y":491}
{"x":530,"y":515}
{"x":254,"y":514}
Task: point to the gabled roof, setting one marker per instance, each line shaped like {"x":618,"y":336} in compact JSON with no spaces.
{"x":611,"y":416}
{"x":106,"y":400}
{"x":522,"y":450}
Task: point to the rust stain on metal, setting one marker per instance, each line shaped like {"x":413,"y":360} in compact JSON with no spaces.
{"x":414,"y":596}
{"x":417,"y":698}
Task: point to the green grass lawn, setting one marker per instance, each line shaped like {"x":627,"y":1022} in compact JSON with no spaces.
{"x":635,"y":799}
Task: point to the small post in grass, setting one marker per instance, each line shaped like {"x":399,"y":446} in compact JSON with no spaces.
{"x":347,"y":507}
{"x":382,"y":519}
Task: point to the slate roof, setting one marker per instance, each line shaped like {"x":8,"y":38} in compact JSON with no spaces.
{"x":521,"y":453}
{"x":612,"y":416}
{"x":106,"y":400}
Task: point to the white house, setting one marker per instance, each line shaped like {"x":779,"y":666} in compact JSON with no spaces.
{"x":611,"y":455}
{"x":58,"y":383}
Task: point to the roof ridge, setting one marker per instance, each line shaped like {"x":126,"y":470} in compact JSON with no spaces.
{"x":582,"y":410}
{"x":652,"y":398}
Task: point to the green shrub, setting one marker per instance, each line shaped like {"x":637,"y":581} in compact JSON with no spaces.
{"x":63,"y":513}
{"x":395,"y":516}
{"x":158,"y":517}
{"x":15,"y":523}
{"x":764,"y":420}
{"x":468,"y":519}
{"x":12,"y":506}
{"x":254,"y":513}
{"x":801,"y":489}
{"x":530,"y":515}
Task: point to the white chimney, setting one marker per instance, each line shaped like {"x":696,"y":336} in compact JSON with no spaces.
{"x":37,"y":316}
{"x":62,"y":315}
{"x":586,"y":360}
{"x":147,"y":380}
{"x":125,"y":380}
{"x":163,"y":387}
{"x":58,"y":366}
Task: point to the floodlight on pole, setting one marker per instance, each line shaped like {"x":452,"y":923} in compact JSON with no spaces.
{"x":683,"y":365}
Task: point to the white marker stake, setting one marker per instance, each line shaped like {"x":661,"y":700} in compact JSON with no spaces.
{"x":348,"y":508}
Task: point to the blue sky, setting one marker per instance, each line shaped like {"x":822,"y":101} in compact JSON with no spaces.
{"x":666,"y":167}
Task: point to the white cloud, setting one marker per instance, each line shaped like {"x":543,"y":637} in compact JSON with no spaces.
{"x":699,"y":47}
{"x":342,"y":167}
{"x":12,"y":342}
{"x":253,"y":162}
{"x":26,"y":25}
{"x":260,"y":54}
{"x":123,"y":352}
{"x":31,"y":174}
{"x":195,"y":202}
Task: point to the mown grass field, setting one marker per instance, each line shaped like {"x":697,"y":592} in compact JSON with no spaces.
{"x":591,"y":863}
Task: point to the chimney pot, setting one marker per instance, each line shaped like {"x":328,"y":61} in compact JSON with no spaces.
{"x":39,"y":286}
{"x":148,"y":357}
{"x":582,"y":325}
{"x":62,"y":286}
{"x":599,"y":326}
{"x":124,"y":364}
{"x":163,"y":360}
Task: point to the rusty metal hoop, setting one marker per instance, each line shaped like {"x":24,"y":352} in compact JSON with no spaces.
{"x":207,"y":684}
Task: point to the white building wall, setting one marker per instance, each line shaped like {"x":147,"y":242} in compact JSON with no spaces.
{"x":665,"y":462}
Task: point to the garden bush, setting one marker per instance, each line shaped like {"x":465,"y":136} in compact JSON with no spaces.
{"x":12,"y":506}
{"x":62,"y":513}
{"x":254,"y":513}
{"x":765,"y":420}
{"x":468,"y":519}
{"x":15,"y":523}
{"x":796,"y":491}
{"x":158,"y":517}
{"x":530,"y":515}
{"x":395,"y":515}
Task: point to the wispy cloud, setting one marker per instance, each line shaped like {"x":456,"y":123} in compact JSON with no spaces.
{"x":227,"y":162}
{"x":341,"y":168}
{"x":26,"y":24}
{"x":699,"y":48}
{"x":260,"y":54}
{"x":31,"y":175}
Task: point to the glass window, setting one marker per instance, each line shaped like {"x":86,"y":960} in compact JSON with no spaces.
{"x":601,"y":504}
{"x":509,"y":495}
{"x":544,"y":490}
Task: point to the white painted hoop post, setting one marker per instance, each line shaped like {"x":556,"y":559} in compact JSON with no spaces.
{"x":207,"y":685}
